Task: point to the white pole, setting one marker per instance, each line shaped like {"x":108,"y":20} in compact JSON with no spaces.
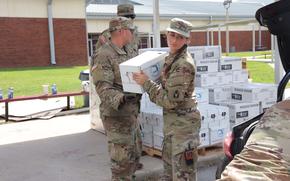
{"x":227,"y":33}
{"x":211,"y":36}
{"x":51,"y":32}
{"x":260,"y":36}
{"x":279,"y":71}
{"x":253,"y":40}
{"x":219,"y":35}
{"x":156,"y":23}
{"x":207,"y":37}
{"x":272,"y":47}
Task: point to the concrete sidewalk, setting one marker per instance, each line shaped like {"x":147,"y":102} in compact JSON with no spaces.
{"x":64,"y":149}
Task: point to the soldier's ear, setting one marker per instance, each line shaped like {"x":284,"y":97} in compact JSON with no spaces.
{"x":187,"y":41}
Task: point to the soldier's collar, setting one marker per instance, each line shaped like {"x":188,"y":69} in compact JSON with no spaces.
{"x":178,"y":51}
{"x":118,"y":50}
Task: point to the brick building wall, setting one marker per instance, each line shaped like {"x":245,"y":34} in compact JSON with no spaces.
{"x":24,"y":42}
{"x":240,"y":40}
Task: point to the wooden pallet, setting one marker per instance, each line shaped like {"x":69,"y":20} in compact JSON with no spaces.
{"x":152,"y":151}
{"x":201,"y":151}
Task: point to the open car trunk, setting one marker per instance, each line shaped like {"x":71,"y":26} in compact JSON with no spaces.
{"x":266,"y":155}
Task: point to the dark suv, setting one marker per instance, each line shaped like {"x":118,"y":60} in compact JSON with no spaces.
{"x":276,"y":17}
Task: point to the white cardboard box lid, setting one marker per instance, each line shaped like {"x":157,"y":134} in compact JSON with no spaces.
{"x":144,"y":58}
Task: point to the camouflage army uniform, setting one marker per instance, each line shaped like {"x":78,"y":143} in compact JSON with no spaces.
{"x":181,"y":118}
{"x":266,"y":155}
{"x":106,"y":35}
{"x":118,"y":111}
{"x":125,"y":10}
{"x":131,"y":48}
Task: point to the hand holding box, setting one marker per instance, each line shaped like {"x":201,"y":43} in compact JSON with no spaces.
{"x":150,"y":62}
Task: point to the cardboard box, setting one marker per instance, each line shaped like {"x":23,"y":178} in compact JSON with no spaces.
{"x":205,"y":52}
{"x":206,"y":79}
{"x":204,"y":115}
{"x":212,"y":52}
{"x":217,"y":134}
{"x":204,"y":137}
{"x":254,"y":92}
{"x":151,"y":62}
{"x":157,"y":122}
{"x":158,"y":140}
{"x":202,"y":95}
{"x":146,"y":129}
{"x":240,"y":76}
{"x":209,"y":115}
{"x":241,"y":111}
{"x":147,"y":138}
{"x":163,"y":49}
{"x":213,"y":115}
{"x":197,"y":52}
{"x":220,"y":94}
{"x":266,"y":104}
{"x":148,"y":106}
{"x":146,"y":121}
{"x":230,"y":63}
{"x":223,"y":116}
{"x":225,"y":78}
{"x":213,"y":79}
{"x":206,"y":65}
{"x":204,"y":122}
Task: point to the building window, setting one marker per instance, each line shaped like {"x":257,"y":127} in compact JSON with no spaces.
{"x":143,"y":42}
{"x":92,"y":41}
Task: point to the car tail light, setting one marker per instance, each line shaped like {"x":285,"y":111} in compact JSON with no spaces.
{"x":227,"y":145}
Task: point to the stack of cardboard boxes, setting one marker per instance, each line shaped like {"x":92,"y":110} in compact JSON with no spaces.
{"x":151,"y":115}
{"x":151,"y":120}
{"x":225,"y":97}
{"x":231,"y":98}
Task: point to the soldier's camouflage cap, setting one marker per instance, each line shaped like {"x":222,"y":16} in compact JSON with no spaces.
{"x":180,"y":26}
{"x":119,"y":22}
{"x":126,"y":10}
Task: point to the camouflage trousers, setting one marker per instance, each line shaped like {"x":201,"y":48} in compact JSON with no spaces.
{"x":125,"y":145}
{"x":181,"y":136}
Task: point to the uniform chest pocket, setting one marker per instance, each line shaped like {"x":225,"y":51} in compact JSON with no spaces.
{"x":176,"y":85}
{"x":175,"y":79}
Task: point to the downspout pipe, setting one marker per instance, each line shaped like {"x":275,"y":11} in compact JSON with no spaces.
{"x":51,"y":32}
{"x":87,"y":34}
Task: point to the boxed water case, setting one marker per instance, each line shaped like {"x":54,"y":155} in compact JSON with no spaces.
{"x":150,"y":62}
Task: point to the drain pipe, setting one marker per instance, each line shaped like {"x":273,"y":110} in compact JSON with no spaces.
{"x":51,"y":32}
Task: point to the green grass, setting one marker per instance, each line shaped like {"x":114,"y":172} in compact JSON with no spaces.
{"x":260,"y":72}
{"x":250,"y":54}
{"x":29,"y":81}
